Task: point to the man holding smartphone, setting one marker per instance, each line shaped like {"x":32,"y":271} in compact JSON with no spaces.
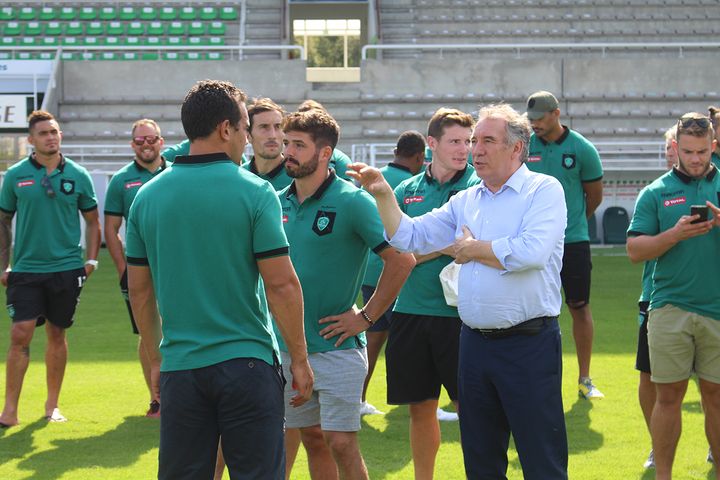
{"x":684,"y":311}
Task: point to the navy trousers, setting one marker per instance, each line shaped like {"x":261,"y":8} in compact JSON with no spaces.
{"x":512,"y":385}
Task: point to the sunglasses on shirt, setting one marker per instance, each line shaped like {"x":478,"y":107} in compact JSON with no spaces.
{"x":45,"y":182}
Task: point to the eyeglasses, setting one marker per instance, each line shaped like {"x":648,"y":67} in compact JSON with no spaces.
{"x":45,"y":182}
{"x":687,"y":122}
{"x":150,"y":139}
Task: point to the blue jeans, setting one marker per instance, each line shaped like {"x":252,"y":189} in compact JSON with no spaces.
{"x":240,"y":400}
{"x":512,"y":384}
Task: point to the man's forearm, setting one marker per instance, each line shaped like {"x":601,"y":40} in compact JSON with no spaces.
{"x":648,"y":247}
{"x":145,"y":311}
{"x":396,"y":269}
{"x":92,"y":239}
{"x":390,"y":212}
{"x":5,"y":240}
{"x":483,"y":253}
{"x":286,"y":304}
{"x":115,"y":248}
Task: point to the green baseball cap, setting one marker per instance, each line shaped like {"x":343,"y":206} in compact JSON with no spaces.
{"x":539,"y":103}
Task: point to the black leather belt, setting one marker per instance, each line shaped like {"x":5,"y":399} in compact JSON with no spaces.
{"x":528,"y":327}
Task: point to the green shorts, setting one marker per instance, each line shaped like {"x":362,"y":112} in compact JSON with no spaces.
{"x":681,"y":342}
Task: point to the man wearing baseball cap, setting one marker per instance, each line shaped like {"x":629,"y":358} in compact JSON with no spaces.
{"x":568,"y":156}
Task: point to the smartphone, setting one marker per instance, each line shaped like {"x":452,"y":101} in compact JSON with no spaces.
{"x":701,"y":210}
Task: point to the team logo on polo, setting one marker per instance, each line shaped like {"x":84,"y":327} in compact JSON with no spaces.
{"x":67,"y":186}
{"x":324,"y":222}
{"x":568,"y":160}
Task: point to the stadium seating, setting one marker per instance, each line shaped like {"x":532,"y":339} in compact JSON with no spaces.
{"x":615,"y":224}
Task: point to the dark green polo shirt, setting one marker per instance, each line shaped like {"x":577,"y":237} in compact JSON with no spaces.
{"x":47,"y":229}
{"x":277,"y":177}
{"x":687,"y":275}
{"x":125,"y":184}
{"x":715,"y":159}
{"x":181,"y":149}
{"x":394,"y":174}
{"x":201,"y":227}
{"x":422,"y":293}
{"x":573,"y":160}
{"x":330,"y":235}
{"x":339,"y":162}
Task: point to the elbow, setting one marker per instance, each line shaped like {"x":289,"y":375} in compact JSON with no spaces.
{"x":286,"y":290}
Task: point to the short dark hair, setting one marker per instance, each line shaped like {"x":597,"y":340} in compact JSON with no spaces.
{"x":410,"y":143}
{"x":37,"y":116}
{"x":309,"y":104}
{"x":208,"y":104}
{"x":322,"y":128}
{"x":445,"y":117}
{"x":262,"y":105}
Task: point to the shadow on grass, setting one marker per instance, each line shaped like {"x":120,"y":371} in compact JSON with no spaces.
{"x":113,"y":449}
{"x":581,"y":437}
{"x":692,"y":407}
{"x":18,"y":441}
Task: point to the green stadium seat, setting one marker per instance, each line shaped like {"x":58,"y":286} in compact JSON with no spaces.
{"x":131,"y":41}
{"x":53,"y":28}
{"x":69,"y":42}
{"x":23,"y":56}
{"x":32,"y":28}
{"x":27,"y":41}
{"x":188,"y":13}
{"x":135,"y":28}
{"x":5,"y":56}
{"x":193,"y":56}
{"x":196,"y":41}
{"x":150,"y":56}
{"x":87,"y":56}
{"x":216,"y":28}
{"x":176,"y":28}
{"x":228,"y":13}
{"x":94,"y":28}
{"x":90,"y":41}
{"x":155,"y":28}
{"x":73,"y":28}
{"x":148,"y":13}
{"x":111,"y":41}
{"x":7,"y":13}
{"x":49,"y":41}
{"x":592,"y":230}
{"x":214,"y":56}
{"x":129,"y":56}
{"x":167,"y":13}
{"x":196,"y":28}
{"x":8,"y":41}
{"x":208,"y":13}
{"x":175,"y":41}
{"x":12,"y":28}
{"x":114,"y":28}
{"x":47,"y":13}
{"x":615,"y":223}
{"x":152,"y":41}
{"x":216,"y":41}
{"x":27,"y":13}
{"x":128,"y":13}
{"x":46,"y":55}
{"x":108,"y":13}
{"x":88,"y":13}
{"x":67,"y":13}
{"x":69,"y":55}
{"x":108,"y":56}
{"x":171,"y":56}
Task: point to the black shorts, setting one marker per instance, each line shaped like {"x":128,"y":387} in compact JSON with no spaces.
{"x":642,"y":360}
{"x":382,"y":324}
{"x":45,"y":296}
{"x":124,"y":290}
{"x":421,"y":356}
{"x":575,"y":273}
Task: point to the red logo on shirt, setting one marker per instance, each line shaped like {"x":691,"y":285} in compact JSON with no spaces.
{"x":285,"y":218}
{"x":26,"y":183}
{"x":534,"y":158}
{"x":415,"y":199}
{"x":134,"y":184}
{"x":674,"y":201}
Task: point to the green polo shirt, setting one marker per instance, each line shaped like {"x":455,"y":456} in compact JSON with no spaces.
{"x":181,"y":149}
{"x":422,"y":293}
{"x":715,"y":159}
{"x":47,"y":229}
{"x":339,"y":162}
{"x":277,"y":177}
{"x":687,"y":275}
{"x":201,"y":227}
{"x":573,"y":160}
{"x":394,"y":174}
{"x":330,"y":235}
{"x":125,"y":184}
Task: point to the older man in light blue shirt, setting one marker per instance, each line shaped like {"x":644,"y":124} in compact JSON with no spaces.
{"x":508,"y":234}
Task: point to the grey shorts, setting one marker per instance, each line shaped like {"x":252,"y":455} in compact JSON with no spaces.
{"x":336,"y":398}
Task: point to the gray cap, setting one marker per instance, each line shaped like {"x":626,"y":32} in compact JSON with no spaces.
{"x":539,"y":103}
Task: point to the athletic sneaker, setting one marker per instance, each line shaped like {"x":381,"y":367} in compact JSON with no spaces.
{"x":369,"y":409}
{"x":650,"y":462}
{"x":710,"y":458}
{"x":444,"y":416}
{"x":154,"y":410}
{"x":587,"y":390}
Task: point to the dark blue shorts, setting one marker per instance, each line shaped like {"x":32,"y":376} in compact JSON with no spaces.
{"x":240,"y":400}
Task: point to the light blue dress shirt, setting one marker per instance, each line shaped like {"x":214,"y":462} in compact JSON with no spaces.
{"x":525,"y":221}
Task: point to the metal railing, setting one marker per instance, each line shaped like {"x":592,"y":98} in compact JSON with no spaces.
{"x":520,"y":47}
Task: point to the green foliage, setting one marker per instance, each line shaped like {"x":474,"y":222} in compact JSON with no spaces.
{"x":105,"y":398}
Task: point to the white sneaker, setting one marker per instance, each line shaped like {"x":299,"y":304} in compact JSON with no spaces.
{"x":710,"y":458}
{"x":369,"y":409}
{"x":444,"y":416}
{"x":650,"y":462}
